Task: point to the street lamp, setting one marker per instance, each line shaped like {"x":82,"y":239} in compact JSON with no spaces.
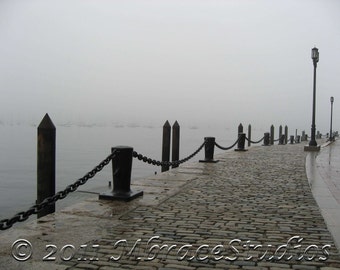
{"x":313,"y":146}
{"x":330,"y":132}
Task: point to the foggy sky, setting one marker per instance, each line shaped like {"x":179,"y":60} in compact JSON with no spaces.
{"x":146,"y":61}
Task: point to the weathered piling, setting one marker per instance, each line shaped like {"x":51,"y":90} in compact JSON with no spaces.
{"x":121,"y":173}
{"x":46,"y":163}
{"x":166,"y":145}
{"x":240,"y":129}
{"x":272,"y":134}
{"x":209,"y":150}
{"x":175,"y":142}
{"x":286,"y":134}
{"x":249,"y":135}
{"x":280,"y":132}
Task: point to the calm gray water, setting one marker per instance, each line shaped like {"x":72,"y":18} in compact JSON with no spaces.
{"x":79,"y":149}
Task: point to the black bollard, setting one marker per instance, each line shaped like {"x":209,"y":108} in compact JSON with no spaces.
{"x":266,"y":139}
{"x":291,"y":139}
{"x":297,"y":139}
{"x":280,"y":131}
{"x":121,"y":172}
{"x":209,"y":150}
{"x":286,"y":134}
{"x":241,"y":142}
{"x":166,"y":145}
{"x":272,"y":135}
{"x":282,"y":140}
{"x":46,"y":164}
{"x":175,"y":143}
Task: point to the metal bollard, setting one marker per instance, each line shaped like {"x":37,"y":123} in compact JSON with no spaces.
{"x":291,"y":139}
{"x":209,"y":150}
{"x":282,"y":140}
{"x":297,"y":139}
{"x":266,"y":139}
{"x":241,"y":141}
{"x":121,"y":171}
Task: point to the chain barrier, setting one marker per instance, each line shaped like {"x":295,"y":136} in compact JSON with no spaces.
{"x":22,"y":216}
{"x":227,"y":148}
{"x":256,"y":141}
{"x":166,"y":163}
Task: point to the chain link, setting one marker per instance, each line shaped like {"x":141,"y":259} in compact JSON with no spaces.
{"x":227,"y":148}
{"x":22,"y":216}
{"x":256,"y":141}
{"x":166,"y":163}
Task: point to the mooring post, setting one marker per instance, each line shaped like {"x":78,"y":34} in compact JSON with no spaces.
{"x":266,"y":139}
{"x":166,"y":145}
{"x":282,"y":140}
{"x":286,"y":134}
{"x":291,"y":139}
{"x":241,"y":142}
{"x":209,"y":150}
{"x":121,"y":172}
{"x":46,"y":164}
{"x":298,"y":139}
{"x":249,"y":135}
{"x":280,"y":133}
{"x":175,"y":143}
{"x":272,"y":134}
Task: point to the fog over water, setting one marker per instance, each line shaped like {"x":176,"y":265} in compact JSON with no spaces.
{"x":142,"y":62}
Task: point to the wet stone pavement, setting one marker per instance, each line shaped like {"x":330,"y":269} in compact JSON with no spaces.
{"x":251,"y":210}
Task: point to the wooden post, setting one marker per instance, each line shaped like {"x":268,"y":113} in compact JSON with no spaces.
{"x":166,"y":145}
{"x":46,"y":163}
{"x":239,"y":129}
{"x":249,"y":135}
{"x":286,"y":134}
{"x":272,"y":134}
{"x":175,"y":143}
{"x":280,"y":131}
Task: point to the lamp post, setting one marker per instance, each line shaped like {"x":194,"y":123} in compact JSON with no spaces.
{"x":313,"y":146}
{"x":330,"y":131}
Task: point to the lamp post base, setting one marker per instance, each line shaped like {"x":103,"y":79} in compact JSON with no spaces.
{"x":312,"y":148}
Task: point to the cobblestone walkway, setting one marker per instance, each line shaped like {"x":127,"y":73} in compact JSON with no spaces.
{"x":251,"y":210}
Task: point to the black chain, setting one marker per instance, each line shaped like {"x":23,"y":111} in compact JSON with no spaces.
{"x":166,"y":163}
{"x":256,"y":141}
{"x":227,"y":148}
{"x":22,"y":216}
